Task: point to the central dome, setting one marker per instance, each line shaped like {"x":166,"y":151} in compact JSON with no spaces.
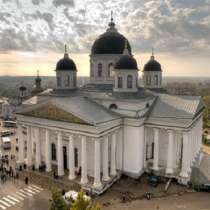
{"x":110,"y":42}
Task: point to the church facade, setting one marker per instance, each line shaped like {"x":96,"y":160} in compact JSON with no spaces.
{"x":111,"y":126}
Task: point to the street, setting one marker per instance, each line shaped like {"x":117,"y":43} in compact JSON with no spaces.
{"x":17,"y":195}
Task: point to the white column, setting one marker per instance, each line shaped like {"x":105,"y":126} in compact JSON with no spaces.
{"x":97,"y":165}
{"x":106,"y":159}
{"x":113,"y":154}
{"x":20,"y":144}
{"x":156,"y":150}
{"x":47,"y":151}
{"x":38,"y":148}
{"x":185,"y":155}
{"x":60,"y":154}
{"x":71,"y":158}
{"x":169,"y":167}
{"x":84,"y":179}
{"x":29,"y":147}
{"x":190,"y":148}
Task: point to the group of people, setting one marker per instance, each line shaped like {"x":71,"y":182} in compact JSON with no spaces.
{"x":6,"y":170}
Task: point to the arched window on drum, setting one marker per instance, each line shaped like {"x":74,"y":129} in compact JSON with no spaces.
{"x":129,"y":81}
{"x":110,"y":69}
{"x":100,"y":70}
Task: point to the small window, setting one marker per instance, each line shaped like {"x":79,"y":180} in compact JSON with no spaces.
{"x":156,"y":79}
{"x":113,"y":106}
{"x":120,"y":81}
{"x":99,"y":70}
{"x":129,"y":81}
{"x":147,"y":105}
{"x":58,"y":81}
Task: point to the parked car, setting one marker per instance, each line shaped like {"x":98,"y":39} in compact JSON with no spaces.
{"x":6,"y":143}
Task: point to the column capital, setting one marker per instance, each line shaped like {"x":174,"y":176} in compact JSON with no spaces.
{"x":170,"y":131}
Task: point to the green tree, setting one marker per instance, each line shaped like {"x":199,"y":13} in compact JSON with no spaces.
{"x":83,"y":204}
{"x":57,"y":202}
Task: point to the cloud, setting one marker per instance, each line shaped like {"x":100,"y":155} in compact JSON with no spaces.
{"x":37,"y":2}
{"x":59,"y":3}
{"x":181,"y":26}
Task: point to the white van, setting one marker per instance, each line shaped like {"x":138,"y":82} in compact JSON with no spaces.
{"x":6,"y":143}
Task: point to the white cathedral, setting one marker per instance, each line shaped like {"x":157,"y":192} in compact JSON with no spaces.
{"x":112,"y":126}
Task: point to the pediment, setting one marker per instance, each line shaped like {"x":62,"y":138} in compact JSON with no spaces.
{"x":52,"y":112}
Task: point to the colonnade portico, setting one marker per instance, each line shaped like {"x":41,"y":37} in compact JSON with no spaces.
{"x":189,"y":147}
{"x":101,"y":154}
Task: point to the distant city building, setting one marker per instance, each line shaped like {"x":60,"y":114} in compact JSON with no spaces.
{"x":111,"y":126}
{"x":7,"y":109}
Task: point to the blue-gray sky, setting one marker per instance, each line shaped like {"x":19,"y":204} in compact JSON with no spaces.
{"x":33,"y":32}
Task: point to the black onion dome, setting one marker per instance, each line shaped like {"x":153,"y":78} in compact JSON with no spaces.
{"x":126,"y":62}
{"x":66,"y":64}
{"x":111,"y":42}
{"x":152,"y":65}
{"x":22,"y":88}
{"x":38,"y":79}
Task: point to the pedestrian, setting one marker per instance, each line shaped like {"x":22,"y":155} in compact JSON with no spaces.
{"x":26,"y":180}
{"x":17,"y":175}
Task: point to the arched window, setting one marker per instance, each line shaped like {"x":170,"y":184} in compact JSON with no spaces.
{"x":113,"y":106}
{"x":68,"y":81}
{"x":53,"y":150}
{"x":129,"y":81}
{"x":100,"y":70}
{"x":156,"y":79}
{"x":58,"y":81}
{"x":148,"y":80}
{"x":120,"y":81}
{"x":110,"y":67}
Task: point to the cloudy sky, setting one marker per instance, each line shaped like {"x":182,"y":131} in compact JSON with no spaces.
{"x":33,"y":33}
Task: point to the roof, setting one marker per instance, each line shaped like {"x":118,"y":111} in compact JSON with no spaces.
{"x":126,"y":62}
{"x":82,"y":108}
{"x":110,"y":42}
{"x":66,"y":64}
{"x":22,"y":88}
{"x":173,"y":106}
{"x":152,"y":65}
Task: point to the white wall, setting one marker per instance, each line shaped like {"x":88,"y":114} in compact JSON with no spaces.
{"x":133,"y":150}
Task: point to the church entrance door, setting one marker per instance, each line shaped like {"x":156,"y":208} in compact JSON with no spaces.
{"x":64,"y":158}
